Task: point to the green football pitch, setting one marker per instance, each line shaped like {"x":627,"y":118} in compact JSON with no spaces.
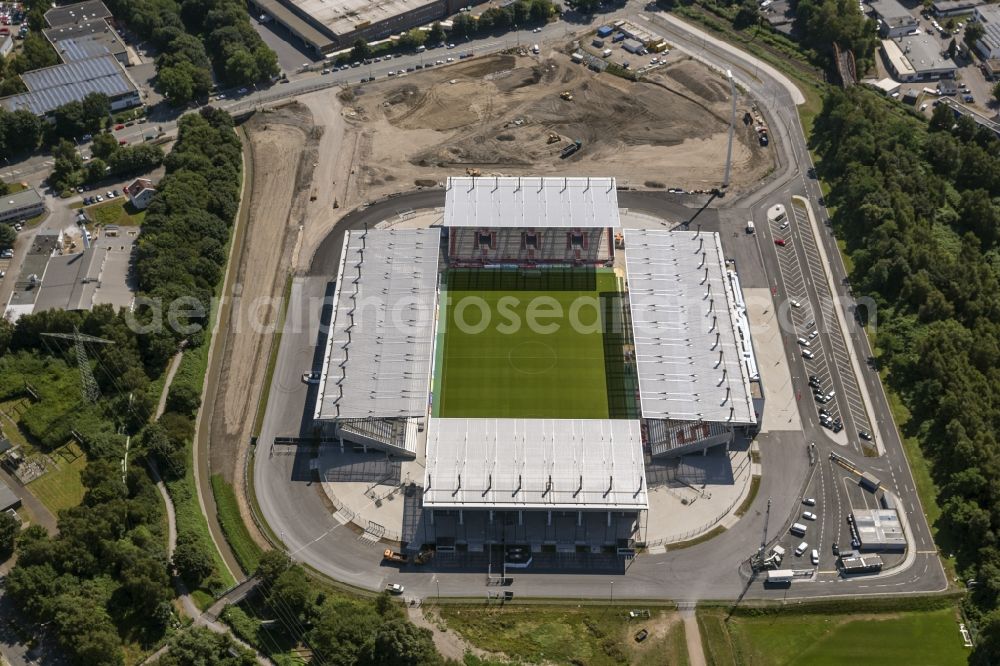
{"x":531,"y":344}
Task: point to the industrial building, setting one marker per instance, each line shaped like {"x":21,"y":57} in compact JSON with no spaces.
{"x":946,"y":8}
{"x":9,"y":500}
{"x":558,"y":483}
{"x":20,"y":206}
{"x":989,"y":44}
{"x":879,"y":529}
{"x":51,"y":87}
{"x":85,"y":40}
{"x":895,"y":20}
{"x":80,"y":12}
{"x":918,"y":58}
{"x":328,"y":26}
{"x":52,"y":280}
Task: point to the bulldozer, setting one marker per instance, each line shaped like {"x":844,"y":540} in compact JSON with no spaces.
{"x":553,"y":138}
{"x":566,"y":95}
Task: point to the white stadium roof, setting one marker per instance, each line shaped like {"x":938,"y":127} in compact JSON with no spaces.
{"x":531,"y":202}
{"x":380,"y":345}
{"x":688,"y":360}
{"x":512,"y":464}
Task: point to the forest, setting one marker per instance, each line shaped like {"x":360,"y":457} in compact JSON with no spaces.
{"x":916,"y":204}
{"x":196,"y":38}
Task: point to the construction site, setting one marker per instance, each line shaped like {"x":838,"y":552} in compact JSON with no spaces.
{"x":516,"y":115}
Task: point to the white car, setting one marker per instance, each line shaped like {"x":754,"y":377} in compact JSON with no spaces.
{"x":809,"y":515}
{"x":809,"y":501}
{"x":814,"y":556}
{"x":394,"y":588}
{"x":807,"y":354}
{"x":310,"y":377}
{"x":801,"y":548}
{"x":795,"y":304}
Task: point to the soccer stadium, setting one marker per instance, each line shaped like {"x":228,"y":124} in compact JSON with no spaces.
{"x":531,"y":357}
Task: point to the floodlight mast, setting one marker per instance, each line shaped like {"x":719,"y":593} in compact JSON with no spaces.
{"x":732,"y":129}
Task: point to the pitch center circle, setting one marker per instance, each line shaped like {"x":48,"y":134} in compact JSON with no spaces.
{"x":532,"y":357}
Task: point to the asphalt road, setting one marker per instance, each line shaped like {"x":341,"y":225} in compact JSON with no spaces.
{"x":717,"y":568}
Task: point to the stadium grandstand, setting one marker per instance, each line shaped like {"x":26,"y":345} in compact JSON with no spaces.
{"x":533,"y":369}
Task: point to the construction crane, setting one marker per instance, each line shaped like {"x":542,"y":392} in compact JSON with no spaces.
{"x":88,"y":385}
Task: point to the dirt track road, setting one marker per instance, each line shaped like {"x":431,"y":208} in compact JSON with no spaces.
{"x":283,"y":150}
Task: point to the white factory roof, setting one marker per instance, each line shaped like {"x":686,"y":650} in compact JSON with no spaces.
{"x":531,"y":202}
{"x":689,"y":361}
{"x":534,"y":464}
{"x":346,"y":16}
{"x":380,"y":346}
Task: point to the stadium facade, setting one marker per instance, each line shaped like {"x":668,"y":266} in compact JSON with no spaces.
{"x":672,"y":363}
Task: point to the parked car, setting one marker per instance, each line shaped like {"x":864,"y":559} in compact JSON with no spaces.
{"x":809,"y":515}
{"x":814,"y":556}
{"x":780,"y":242}
{"x":809,"y":501}
{"x":310,"y":377}
{"x":864,"y":434}
{"x":801,"y":548}
{"x":394,"y":588}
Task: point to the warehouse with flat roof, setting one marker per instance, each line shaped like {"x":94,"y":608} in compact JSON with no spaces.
{"x":21,"y":205}
{"x":51,"y":87}
{"x":327,"y":26}
{"x":918,"y":58}
{"x":89,"y":39}
{"x":80,"y":12}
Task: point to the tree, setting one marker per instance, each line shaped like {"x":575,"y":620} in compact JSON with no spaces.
{"x":95,"y":109}
{"x":9,"y":527}
{"x":952,"y":48}
{"x":176,"y":83}
{"x":974,"y":31}
{"x":7,"y":236}
{"x":360,"y":50}
{"x":104,"y":145}
{"x":272,"y":564}
{"x":199,"y":645}
{"x":996,"y":91}
{"x":747,"y":15}
{"x":96,"y":170}
{"x":436,"y":34}
{"x":412,"y":39}
{"x":463,"y":25}
{"x":183,"y":398}
{"x":192,"y":560}
{"x":293,"y":591}
{"x":4,"y":188}
{"x":399,"y":642}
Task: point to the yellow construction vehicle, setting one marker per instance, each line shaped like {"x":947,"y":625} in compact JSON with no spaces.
{"x":553,"y":138}
{"x":566,"y":95}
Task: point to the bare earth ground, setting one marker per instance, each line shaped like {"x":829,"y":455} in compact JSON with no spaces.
{"x":496,"y":113}
{"x":283,"y":149}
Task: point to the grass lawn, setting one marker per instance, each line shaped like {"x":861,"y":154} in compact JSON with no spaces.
{"x":592,"y":635}
{"x":244,"y":547}
{"x":515,"y":352}
{"x":928,"y":638}
{"x":61,"y":488}
{"x":117,"y":211}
